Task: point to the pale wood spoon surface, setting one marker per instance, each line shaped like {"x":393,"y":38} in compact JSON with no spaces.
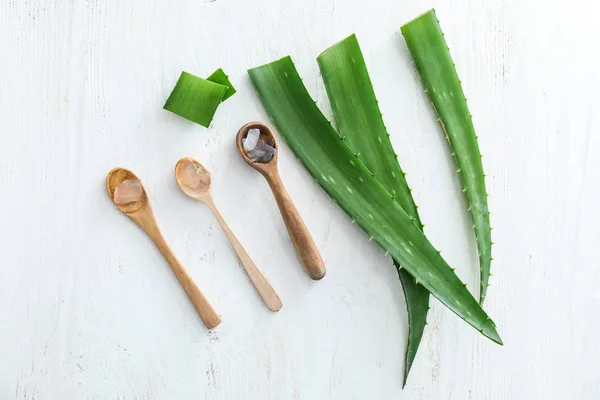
{"x":301,"y":238}
{"x":194,"y":180}
{"x":141,"y":213}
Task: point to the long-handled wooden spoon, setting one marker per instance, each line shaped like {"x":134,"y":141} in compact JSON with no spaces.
{"x":305,"y":246}
{"x":194,"y":180}
{"x":127,"y":192}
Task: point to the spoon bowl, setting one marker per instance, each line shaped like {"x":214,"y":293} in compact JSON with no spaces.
{"x":267,"y":135}
{"x":114,"y":179}
{"x":193,"y":179}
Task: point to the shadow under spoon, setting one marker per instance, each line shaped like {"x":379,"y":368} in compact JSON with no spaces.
{"x":129,"y":195}
{"x":194,"y":180}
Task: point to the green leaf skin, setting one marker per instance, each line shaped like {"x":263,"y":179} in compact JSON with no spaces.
{"x":417,"y":306}
{"x":352,"y":186}
{"x":220,"y":77}
{"x":431,"y":55}
{"x":359,"y":120}
{"x":195,"y":98}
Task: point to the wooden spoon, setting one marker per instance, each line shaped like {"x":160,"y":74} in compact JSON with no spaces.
{"x":140,"y":212}
{"x":305,"y":246}
{"x":194,"y":180}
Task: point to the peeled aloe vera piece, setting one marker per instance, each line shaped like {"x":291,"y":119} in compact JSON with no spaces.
{"x":359,"y":121}
{"x":431,"y":54}
{"x":349,"y":183}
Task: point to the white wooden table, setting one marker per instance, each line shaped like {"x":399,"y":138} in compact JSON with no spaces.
{"x":90,"y":310}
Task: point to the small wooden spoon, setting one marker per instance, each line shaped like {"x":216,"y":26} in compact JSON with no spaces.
{"x":305,"y":246}
{"x":194,"y":180}
{"x":141,"y":213}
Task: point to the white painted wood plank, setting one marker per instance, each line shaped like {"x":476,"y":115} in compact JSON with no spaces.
{"x":89,"y":310}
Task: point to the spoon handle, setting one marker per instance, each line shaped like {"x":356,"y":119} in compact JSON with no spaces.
{"x":305,"y":246}
{"x":207,"y":313}
{"x":260,"y":282}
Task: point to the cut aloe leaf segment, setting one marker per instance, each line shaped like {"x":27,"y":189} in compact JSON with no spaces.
{"x":220,"y":77}
{"x":197,"y":99}
{"x":348,"y":181}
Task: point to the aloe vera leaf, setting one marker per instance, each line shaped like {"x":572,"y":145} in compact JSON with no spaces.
{"x":432,"y":58}
{"x":352,"y":186}
{"x":220,"y":77}
{"x":359,"y":120}
{"x":195,"y":98}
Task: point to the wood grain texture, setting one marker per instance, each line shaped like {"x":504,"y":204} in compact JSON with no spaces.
{"x":87,"y":309}
{"x":260,"y":282}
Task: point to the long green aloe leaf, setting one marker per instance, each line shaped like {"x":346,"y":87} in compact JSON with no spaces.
{"x":359,"y":120}
{"x":431,"y":54}
{"x":348,"y":181}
